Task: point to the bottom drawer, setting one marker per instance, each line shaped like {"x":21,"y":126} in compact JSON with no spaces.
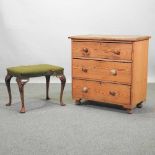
{"x":100,"y":91}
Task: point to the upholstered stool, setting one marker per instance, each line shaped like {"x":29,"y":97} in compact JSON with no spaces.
{"x":23,"y":73}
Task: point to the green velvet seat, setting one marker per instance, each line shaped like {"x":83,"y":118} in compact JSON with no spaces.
{"x":35,"y":70}
{"x":23,"y":73}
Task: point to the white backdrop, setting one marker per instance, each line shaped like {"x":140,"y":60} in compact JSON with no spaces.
{"x":36,"y":31}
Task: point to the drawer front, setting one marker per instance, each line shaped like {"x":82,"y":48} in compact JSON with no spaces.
{"x":103,"y":92}
{"x":102,"y":70}
{"x":115,"y":51}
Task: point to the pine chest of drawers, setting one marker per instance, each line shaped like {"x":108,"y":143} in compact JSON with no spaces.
{"x":111,"y":69}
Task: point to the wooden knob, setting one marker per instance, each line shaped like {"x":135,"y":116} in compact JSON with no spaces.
{"x":112,"y":93}
{"x":84,"y":70}
{"x":85,"y":50}
{"x":85,"y":90}
{"x":117,"y":52}
{"x":113,"y":72}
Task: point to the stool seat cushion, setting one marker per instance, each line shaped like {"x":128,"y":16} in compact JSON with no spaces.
{"x":35,"y":70}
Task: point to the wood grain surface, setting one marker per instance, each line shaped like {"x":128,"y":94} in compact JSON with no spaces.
{"x":111,"y":69}
{"x":114,"y":51}
{"x":102,"y":70}
{"x":100,"y":91}
{"x":139,"y":72}
{"x":131,"y":38}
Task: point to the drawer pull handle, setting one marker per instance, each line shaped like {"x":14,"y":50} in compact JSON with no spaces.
{"x":116,"y":52}
{"x":112,"y":93}
{"x":85,"y":52}
{"x":114,"y":72}
{"x":85,"y":70}
{"x":85,"y":90}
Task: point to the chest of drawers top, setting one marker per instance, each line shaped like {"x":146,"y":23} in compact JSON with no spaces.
{"x":117,"y":38}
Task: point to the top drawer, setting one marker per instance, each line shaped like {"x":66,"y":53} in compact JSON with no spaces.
{"x":115,"y":51}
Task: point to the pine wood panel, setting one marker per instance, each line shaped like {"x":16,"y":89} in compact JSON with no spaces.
{"x":130,"y":38}
{"x":103,"y":92}
{"x":115,"y":51}
{"x":95,"y":58}
{"x":139,"y":72}
{"x":102,"y":70}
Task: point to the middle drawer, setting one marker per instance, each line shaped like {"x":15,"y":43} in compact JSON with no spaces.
{"x":102,"y":70}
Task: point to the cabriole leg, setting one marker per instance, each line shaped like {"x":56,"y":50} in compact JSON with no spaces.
{"x":63,"y":82}
{"x":21,"y":83}
{"x":7,"y":82}
{"x":47,"y":86}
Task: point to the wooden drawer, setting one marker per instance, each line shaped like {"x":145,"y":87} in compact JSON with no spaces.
{"x":115,"y":51}
{"x":102,"y":70}
{"x":103,"y":92}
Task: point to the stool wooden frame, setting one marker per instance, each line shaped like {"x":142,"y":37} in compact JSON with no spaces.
{"x":22,"y":80}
